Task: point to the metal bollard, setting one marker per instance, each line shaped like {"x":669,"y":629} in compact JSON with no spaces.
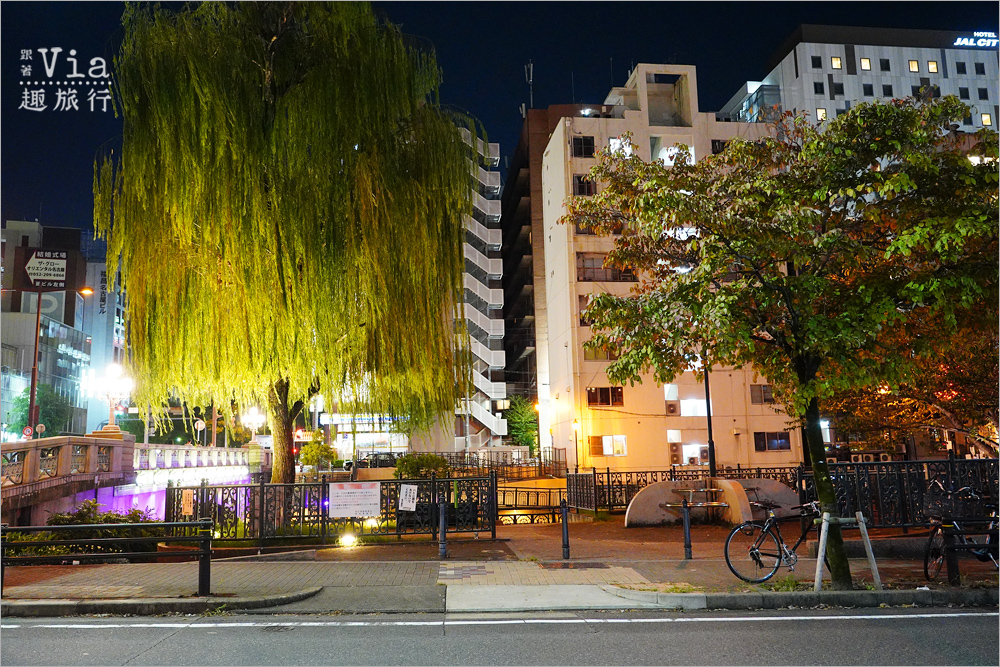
{"x":442,"y":539}
{"x":951,"y":559}
{"x":564,"y":511}
{"x":686,"y":512}
{"x":205,"y":560}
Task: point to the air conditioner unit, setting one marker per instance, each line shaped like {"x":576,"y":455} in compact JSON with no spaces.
{"x":855,"y":458}
{"x":692,"y":461}
{"x":675,"y":459}
{"x":868,"y":458}
{"x":885,"y":456}
{"x":704,"y":453}
{"x":675,"y":448}
{"x":831,"y":459}
{"x":673,"y":407}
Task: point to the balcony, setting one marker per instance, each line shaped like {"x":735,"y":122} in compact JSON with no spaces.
{"x":493,"y":297}
{"x":491,"y":237}
{"x":493,"y":328}
{"x":489,"y":207}
{"x":492,"y":267}
{"x":494,"y":358}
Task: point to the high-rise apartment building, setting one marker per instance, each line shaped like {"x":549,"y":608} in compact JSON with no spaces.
{"x":825,"y":70}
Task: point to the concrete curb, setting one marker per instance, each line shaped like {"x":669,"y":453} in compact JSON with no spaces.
{"x":146,"y":607}
{"x":973,"y":597}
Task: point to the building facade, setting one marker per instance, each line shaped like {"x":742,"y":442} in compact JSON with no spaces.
{"x":646,"y":425}
{"x":825,"y":70}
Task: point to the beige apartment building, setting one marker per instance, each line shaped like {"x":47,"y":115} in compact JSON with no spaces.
{"x":649,"y":425}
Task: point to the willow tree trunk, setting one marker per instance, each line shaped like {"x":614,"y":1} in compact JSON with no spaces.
{"x":840,"y":568}
{"x":280,"y":419}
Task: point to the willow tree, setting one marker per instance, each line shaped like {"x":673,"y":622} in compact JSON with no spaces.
{"x":813,"y":254}
{"x":288,"y":211}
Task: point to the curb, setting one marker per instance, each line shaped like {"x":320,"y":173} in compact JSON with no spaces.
{"x":147,"y":607}
{"x":974,"y":597}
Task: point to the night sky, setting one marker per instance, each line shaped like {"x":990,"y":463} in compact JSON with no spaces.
{"x":579,"y":50}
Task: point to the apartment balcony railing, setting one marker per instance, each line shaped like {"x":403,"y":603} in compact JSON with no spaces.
{"x":493,"y":267}
{"x":493,"y":328}
{"x":489,"y":207}
{"x":491,"y":237}
{"x":494,"y":297}
{"x":490,"y":152}
{"x":495,"y":390}
{"x":494,"y":358}
{"x":490,"y":180}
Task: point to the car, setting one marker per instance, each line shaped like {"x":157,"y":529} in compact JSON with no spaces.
{"x":374,"y":460}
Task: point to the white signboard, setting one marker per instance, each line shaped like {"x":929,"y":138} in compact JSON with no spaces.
{"x":187,"y":502}
{"x":47,"y":268}
{"x":407,"y":498}
{"x":355,"y":499}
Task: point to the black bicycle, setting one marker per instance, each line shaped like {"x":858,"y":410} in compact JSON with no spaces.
{"x":755,"y":551}
{"x":934,"y":553}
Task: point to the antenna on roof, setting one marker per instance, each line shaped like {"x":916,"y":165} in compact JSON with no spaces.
{"x":529,"y":76}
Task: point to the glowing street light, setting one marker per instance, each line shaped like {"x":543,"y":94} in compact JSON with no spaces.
{"x":576,"y":442}
{"x":254,"y":420}
{"x":114,"y":388}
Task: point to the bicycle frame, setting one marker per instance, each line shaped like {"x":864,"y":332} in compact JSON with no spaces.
{"x":788,"y":555}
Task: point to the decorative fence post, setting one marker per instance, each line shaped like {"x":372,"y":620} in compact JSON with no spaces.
{"x":496,"y":505}
{"x":260,"y":513}
{"x":564,"y":511}
{"x":593,"y":476}
{"x":433,"y":507}
{"x":610,"y":491}
{"x":323,"y":501}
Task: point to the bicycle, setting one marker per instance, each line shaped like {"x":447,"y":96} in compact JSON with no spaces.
{"x":754,"y":551}
{"x":935,"y":551}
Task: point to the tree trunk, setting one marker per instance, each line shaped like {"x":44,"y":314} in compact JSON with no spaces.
{"x":840,"y":568}
{"x":280,"y":420}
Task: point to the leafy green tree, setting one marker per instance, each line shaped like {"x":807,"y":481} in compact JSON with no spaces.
{"x":808,"y":254}
{"x":53,"y":410}
{"x":316,"y":452}
{"x":420,"y":466}
{"x":522,"y":423}
{"x":287,"y":208}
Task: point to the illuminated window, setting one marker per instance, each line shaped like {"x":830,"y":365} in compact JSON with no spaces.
{"x":932,"y":66}
{"x":598,"y":396}
{"x":602,"y":354}
{"x":820,"y":114}
{"x":960,"y":68}
{"x":673,"y":435}
{"x":619,"y":145}
{"x":987,"y":119}
{"x":866,"y":64}
{"x":914,"y":66}
{"x":761,"y":394}
{"x":835,"y":62}
{"x":608,"y":445}
{"x":771,"y":442}
{"x":694,"y":407}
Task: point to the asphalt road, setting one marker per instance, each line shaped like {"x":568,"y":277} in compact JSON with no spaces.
{"x":894,"y":636}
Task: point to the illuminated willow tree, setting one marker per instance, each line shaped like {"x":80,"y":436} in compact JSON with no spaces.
{"x":287,"y":209}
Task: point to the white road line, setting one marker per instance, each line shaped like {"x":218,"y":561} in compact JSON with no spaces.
{"x":195,"y":624}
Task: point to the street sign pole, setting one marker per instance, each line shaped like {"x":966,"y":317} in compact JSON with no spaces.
{"x":32,"y":418}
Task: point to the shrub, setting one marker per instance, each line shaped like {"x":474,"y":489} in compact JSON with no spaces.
{"x":420,"y":466}
{"x":88,"y":513}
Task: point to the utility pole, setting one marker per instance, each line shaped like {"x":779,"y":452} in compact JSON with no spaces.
{"x":529,"y":76}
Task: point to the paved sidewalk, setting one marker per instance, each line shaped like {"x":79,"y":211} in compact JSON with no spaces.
{"x":610,"y":568}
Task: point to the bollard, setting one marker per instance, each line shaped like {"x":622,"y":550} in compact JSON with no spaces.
{"x":687,"y":529}
{"x":443,"y":540}
{"x":564,"y":511}
{"x":205,"y":560}
{"x":951,"y":559}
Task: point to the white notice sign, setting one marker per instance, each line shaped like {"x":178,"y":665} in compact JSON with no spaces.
{"x":355,"y":499}
{"x":187,"y":502}
{"x":407,"y":498}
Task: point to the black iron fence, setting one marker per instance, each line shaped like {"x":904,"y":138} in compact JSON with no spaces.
{"x":263,"y":513}
{"x":907,"y":493}
{"x":524,"y":505}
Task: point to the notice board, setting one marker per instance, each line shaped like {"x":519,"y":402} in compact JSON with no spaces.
{"x":355,"y":499}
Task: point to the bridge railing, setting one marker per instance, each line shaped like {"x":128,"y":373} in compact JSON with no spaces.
{"x":30,"y":461}
{"x":157,"y":457}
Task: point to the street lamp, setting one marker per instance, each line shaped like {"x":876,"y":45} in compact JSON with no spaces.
{"x":576,"y":443}
{"x":114,"y":387}
{"x":254,"y":419}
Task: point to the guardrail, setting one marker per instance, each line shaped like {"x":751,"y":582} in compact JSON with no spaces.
{"x":522,"y":505}
{"x":203,"y":536}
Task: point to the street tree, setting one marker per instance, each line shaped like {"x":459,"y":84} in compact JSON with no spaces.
{"x":522,"y":423}
{"x":53,"y":410}
{"x":807,"y":254}
{"x":287,"y":209}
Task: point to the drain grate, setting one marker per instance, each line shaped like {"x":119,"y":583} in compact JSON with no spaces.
{"x":574,"y":566}
{"x":277,"y":628}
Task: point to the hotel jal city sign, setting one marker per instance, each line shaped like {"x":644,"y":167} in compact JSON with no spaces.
{"x":981,"y":40}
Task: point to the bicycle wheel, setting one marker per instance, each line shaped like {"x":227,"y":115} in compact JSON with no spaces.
{"x":934,"y":553}
{"x":752,"y":553}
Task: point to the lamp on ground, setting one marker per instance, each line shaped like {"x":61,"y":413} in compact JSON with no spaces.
{"x":114,"y":387}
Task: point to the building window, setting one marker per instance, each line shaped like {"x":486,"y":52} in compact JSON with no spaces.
{"x":719,"y":145}
{"x":838,"y":89}
{"x":583,"y":147}
{"x":817,"y":62}
{"x":583,"y":300}
{"x":963,"y":93}
{"x":868,"y":89}
{"x":866,"y":64}
{"x":590,"y":268}
{"x":835,"y":62}
{"x":967,"y":120}
{"x":914,"y":65}
{"x":818,"y":87}
{"x":608,"y":445}
{"x":981,"y":69}
{"x":583,"y":186}
{"x":617,"y":145}
{"x":915,"y":91}
{"x":886,"y":90}
{"x":932,"y":66}
{"x":987,"y":119}
{"x":761,"y":394}
{"x":598,"y":396}
{"x":883,"y":64}
{"x":771,"y":442}
{"x":960,"y":68}
{"x":984,"y":94}
{"x":820,"y":114}
{"x":602,"y":354}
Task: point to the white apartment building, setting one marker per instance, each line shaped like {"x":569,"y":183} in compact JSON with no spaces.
{"x":104,"y":318}
{"x":825,"y":70}
{"x":648,"y":425}
{"x":478,"y":423}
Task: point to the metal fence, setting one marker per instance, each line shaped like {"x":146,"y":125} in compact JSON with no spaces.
{"x":262,"y":513}
{"x":903,"y":493}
